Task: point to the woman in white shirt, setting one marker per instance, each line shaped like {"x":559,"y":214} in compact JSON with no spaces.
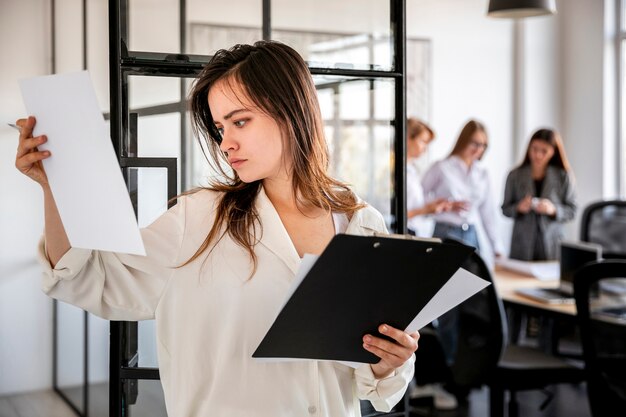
{"x":418,"y":137}
{"x":219,"y":264}
{"x":461,"y":178}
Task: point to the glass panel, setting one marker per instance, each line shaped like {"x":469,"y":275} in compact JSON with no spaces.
{"x":151,"y":195}
{"x":418,"y":78}
{"x":152,"y":91}
{"x":98,"y":367}
{"x":159,"y":135}
{"x":320,"y":32}
{"x":147,"y":344}
{"x":206,"y":38}
{"x":153,"y":25}
{"x":208,"y":31}
{"x":149,"y":401}
{"x":360,"y":135}
{"x":151,"y":203}
{"x":70,"y":353}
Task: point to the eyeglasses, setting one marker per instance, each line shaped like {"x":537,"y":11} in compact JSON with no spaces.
{"x":479,"y":145}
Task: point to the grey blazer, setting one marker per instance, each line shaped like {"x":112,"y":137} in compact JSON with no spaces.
{"x":558,"y":187}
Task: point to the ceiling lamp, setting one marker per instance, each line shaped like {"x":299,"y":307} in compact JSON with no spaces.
{"x":520,"y":8}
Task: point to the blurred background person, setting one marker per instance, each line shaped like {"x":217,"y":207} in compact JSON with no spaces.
{"x":419,"y":135}
{"x":540,"y":197}
{"x":464,"y":182}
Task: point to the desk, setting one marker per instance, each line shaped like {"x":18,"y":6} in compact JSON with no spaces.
{"x":507,"y":282}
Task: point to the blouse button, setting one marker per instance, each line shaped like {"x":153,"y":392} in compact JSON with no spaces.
{"x":312,"y":409}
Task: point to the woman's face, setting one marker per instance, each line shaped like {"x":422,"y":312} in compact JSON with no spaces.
{"x":476,"y":147}
{"x":417,"y":145}
{"x":540,"y":152}
{"x":252,"y":140}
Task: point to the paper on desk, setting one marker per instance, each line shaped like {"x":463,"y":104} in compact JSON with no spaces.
{"x":542,"y":270}
{"x":461,"y":286}
{"x":83,"y":172}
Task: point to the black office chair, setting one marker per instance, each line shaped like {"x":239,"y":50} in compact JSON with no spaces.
{"x":603,"y":333}
{"x":484,"y":358}
{"x":604,"y":222}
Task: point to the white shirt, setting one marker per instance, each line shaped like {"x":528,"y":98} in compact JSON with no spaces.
{"x":210,"y":316}
{"x":452,"y":179}
{"x":422,"y":225}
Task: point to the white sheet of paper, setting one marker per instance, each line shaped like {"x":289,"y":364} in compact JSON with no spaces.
{"x":83,"y":172}
{"x":461,"y":286}
{"x":542,"y":270}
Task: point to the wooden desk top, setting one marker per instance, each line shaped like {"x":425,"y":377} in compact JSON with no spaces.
{"x":508,"y":281}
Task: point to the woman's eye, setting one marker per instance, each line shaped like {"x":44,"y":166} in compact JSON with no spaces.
{"x":220,"y":130}
{"x":239,"y":123}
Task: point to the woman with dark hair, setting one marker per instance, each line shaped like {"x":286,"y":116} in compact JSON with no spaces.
{"x":461,"y":179}
{"x":540,"y":197}
{"x":220,"y":263}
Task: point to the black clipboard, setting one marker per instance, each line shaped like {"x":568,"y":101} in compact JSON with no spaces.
{"x":358,"y":283}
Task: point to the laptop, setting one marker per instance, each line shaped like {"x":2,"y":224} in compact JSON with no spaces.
{"x":572,"y":256}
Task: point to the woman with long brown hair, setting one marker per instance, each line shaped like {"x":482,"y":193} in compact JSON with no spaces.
{"x":461,"y":178}
{"x":219,"y":264}
{"x":540,"y":196}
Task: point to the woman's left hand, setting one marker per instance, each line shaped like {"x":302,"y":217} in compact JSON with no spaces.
{"x":392,"y":354}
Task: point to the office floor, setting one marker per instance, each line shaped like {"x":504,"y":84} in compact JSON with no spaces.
{"x":569,"y":400}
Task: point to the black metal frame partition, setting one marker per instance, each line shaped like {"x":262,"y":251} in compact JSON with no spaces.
{"x":124,"y":369}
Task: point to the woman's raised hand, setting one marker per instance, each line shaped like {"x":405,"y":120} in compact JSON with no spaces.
{"x":392,"y":354}
{"x":28,"y":158}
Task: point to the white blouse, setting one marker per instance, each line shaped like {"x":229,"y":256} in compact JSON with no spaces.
{"x":452,"y":179}
{"x":210,"y":316}
{"x":422,"y":225}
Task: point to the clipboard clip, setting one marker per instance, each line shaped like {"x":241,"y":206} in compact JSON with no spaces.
{"x":406,"y":237}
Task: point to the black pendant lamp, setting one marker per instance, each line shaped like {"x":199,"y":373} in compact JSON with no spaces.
{"x":520,"y":8}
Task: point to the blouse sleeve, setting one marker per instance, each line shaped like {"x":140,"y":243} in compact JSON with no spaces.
{"x":384,"y":393}
{"x":566,"y":208}
{"x":488,"y":215}
{"x":119,"y":286}
{"x":431,"y":180}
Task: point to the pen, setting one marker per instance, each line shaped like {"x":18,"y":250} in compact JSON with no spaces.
{"x":14,"y":126}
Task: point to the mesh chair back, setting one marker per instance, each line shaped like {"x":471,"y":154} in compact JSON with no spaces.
{"x":603,"y":332}
{"x":604,"y":223}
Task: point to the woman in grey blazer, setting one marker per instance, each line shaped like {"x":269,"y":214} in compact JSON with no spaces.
{"x":540,"y":197}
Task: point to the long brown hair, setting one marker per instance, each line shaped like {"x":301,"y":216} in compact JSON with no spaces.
{"x":552,"y":138}
{"x":275,"y":78}
{"x":465,"y":137}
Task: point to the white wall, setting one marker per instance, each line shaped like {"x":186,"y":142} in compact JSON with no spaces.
{"x":582,"y":68}
{"x":25,"y":312}
{"x":472,"y":78}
